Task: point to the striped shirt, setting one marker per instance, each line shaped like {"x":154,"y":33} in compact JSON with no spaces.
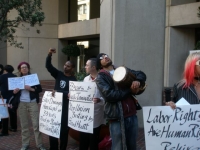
{"x":189,"y":93}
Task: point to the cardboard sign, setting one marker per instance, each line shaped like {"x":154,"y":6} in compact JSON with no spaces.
{"x":81,"y":106}
{"x":168,"y":129}
{"x":50,"y":114}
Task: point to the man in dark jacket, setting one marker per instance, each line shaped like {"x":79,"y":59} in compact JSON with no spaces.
{"x":8,"y":69}
{"x":120,"y":109}
{"x":61,"y":85}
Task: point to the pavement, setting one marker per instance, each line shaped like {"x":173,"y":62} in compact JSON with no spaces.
{"x":13,"y":141}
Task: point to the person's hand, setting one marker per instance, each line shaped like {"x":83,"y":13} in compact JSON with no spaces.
{"x":135,"y":84}
{"x":53,"y":93}
{"x":171,"y":104}
{"x":15,"y":91}
{"x":29,"y":88}
{"x":52,"y":50}
{"x":96,"y":100}
{"x":135,"y":87}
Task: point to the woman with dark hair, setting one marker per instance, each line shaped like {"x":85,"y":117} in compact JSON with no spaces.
{"x":6,"y":94}
{"x":189,"y":86}
{"x":28,"y":100}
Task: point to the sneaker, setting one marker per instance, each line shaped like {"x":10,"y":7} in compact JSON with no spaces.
{"x":41,"y":148}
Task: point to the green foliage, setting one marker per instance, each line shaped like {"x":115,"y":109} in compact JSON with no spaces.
{"x":80,"y":75}
{"x":71,"y":50}
{"x":29,"y":11}
{"x":197,"y":47}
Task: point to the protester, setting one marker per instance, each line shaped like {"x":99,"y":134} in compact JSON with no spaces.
{"x":88,"y":140}
{"x":6,"y":94}
{"x":119,"y":107}
{"x":189,"y":86}
{"x":61,"y":85}
{"x":27,"y":101}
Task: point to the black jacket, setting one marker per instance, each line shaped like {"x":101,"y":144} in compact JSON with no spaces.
{"x":15,"y":99}
{"x":107,"y":88}
{"x":113,"y":94}
{"x":7,"y":94}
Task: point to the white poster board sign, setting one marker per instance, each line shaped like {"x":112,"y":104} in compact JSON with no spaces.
{"x":3,"y":109}
{"x":16,"y":82}
{"x":50,"y":114}
{"x":19,"y":82}
{"x":168,"y":129}
{"x":31,"y":80}
{"x":81,"y":106}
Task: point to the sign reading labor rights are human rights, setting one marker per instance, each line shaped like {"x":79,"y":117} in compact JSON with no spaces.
{"x":168,"y":129}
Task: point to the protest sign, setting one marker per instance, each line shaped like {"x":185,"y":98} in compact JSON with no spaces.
{"x":81,"y":106}
{"x":3,"y":109}
{"x":168,"y":129}
{"x":31,"y":80}
{"x":50,"y":114}
{"x":16,"y":82}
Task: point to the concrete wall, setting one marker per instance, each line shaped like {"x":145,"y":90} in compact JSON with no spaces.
{"x":133,"y":33}
{"x":180,"y":2}
{"x":106,"y":25}
{"x":76,"y":29}
{"x":181,"y":41}
{"x":184,"y":14}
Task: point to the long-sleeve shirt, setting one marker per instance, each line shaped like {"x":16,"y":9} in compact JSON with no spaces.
{"x":62,"y":81}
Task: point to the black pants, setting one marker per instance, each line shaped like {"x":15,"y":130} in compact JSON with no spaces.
{"x":88,"y":140}
{"x":13,"y":118}
{"x":4,"y":126}
{"x":13,"y":121}
{"x":64,"y":130}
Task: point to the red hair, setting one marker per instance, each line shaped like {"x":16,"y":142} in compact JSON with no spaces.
{"x":189,"y":72}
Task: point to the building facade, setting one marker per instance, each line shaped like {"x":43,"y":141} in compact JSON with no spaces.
{"x":153,"y":36}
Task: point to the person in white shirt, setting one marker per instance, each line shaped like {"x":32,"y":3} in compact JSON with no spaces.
{"x":88,"y":140}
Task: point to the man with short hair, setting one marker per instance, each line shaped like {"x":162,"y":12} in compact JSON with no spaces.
{"x":61,"y":85}
{"x":88,"y":140}
{"x":120,"y":109}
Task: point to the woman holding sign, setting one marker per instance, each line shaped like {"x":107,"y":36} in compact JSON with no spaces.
{"x":27,"y":100}
{"x":189,"y":86}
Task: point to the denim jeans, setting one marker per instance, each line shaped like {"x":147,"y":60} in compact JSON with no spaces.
{"x":131,"y":131}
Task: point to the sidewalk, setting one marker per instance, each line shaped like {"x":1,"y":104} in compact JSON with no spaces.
{"x":13,"y":141}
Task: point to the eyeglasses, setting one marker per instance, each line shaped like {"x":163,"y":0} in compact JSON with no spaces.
{"x":103,"y":56}
{"x":24,"y":67}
